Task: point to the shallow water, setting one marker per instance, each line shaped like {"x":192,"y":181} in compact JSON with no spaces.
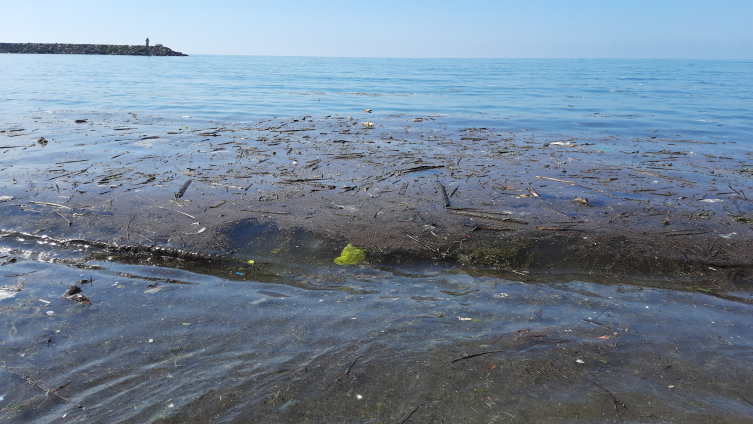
{"x":168,"y":343}
{"x":295,"y":338}
{"x":694,"y":98}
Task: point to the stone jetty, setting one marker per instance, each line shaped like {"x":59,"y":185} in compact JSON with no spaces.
{"x":50,"y":48}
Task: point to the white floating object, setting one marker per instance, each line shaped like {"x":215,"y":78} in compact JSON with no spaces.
{"x":580,"y":361}
{"x":50,"y":312}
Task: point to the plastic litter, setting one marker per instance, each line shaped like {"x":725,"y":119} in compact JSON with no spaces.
{"x":350,"y":255}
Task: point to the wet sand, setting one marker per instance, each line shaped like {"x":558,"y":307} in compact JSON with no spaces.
{"x":411,"y":188}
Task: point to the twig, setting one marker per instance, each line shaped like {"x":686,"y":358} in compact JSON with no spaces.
{"x":554,"y":179}
{"x":256,"y":211}
{"x":41,"y":387}
{"x":69,"y":222}
{"x":486,"y":216}
{"x":49,"y":204}
{"x":425,"y":246}
{"x":349,"y":368}
{"x":578,"y":185}
{"x":743,"y":397}
{"x":614,"y":398}
{"x":182,"y":190}
{"x":738,"y":192}
{"x":183,"y":213}
{"x":444,"y":195}
{"x":128,"y":229}
{"x":475,"y":355}
{"x":411,"y":414}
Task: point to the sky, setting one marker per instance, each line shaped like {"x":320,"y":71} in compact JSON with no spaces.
{"x":689,"y":29}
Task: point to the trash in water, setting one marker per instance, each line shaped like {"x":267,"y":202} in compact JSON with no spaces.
{"x":182,"y":190}
{"x":367,"y":124}
{"x":251,"y":261}
{"x":4,"y":294}
{"x":350,"y":255}
{"x":465,"y":319}
{"x":367,"y":110}
{"x":580,"y":361}
{"x":5,"y":198}
{"x":582,"y":201}
{"x":74,"y":293}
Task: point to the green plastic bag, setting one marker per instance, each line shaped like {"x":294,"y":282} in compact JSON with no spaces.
{"x":351,"y":255}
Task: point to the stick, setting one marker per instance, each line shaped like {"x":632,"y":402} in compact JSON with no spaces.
{"x":192,"y":217}
{"x":425,"y":246}
{"x":128,"y":229}
{"x":41,"y":387}
{"x":554,"y":179}
{"x":614,"y":398}
{"x":69,"y":222}
{"x":255,"y":211}
{"x":476,"y":354}
{"x":49,"y":204}
{"x":182,"y":190}
{"x":444,"y":195}
{"x":411,"y":414}
{"x":349,"y":368}
{"x":486,"y":216}
{"x":738,"y":192}
{"x":587,"y":188}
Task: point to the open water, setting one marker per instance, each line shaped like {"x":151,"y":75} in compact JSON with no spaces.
{"x":324,"y":343}
{"x":697,"y":98}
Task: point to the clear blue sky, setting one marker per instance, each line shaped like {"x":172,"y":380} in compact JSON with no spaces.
{"x":407,"y":28}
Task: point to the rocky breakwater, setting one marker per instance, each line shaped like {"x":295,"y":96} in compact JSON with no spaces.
{"x":48,"y":48}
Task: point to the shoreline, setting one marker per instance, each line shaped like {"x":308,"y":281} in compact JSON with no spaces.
{"x":667,"y":210}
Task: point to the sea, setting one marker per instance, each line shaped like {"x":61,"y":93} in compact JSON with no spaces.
{"x":698,"y":98}
{"x":400,"y":348}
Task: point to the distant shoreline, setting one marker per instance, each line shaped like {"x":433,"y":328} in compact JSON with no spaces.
{"x":97,"y":49}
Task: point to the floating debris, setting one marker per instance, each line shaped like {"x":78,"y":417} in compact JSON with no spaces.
{"x":74,"y":293}
{"x":582,"y":201}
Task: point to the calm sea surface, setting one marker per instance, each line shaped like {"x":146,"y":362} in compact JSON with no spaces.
{"x":697,"y":98}
{"x":363,"y":344}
